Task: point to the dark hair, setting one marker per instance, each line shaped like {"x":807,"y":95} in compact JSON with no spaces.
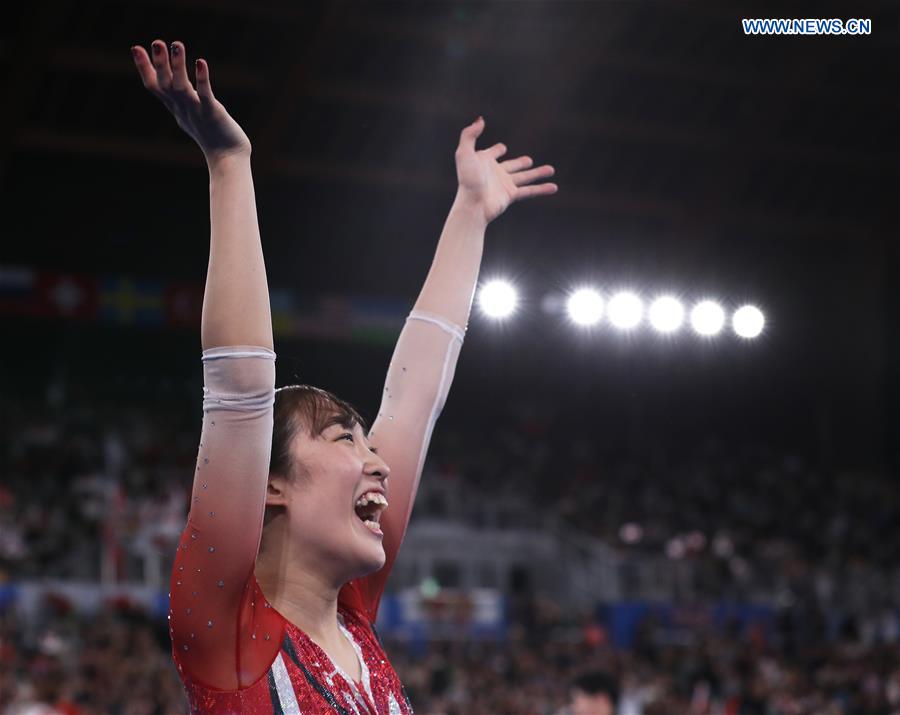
{"x":596,"y":682}
{"x":310,"y":408}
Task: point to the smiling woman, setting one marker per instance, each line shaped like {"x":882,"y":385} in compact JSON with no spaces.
{"x":293,"y":527}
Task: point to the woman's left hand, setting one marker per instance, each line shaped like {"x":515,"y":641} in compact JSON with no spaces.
{"x":493,"y":185}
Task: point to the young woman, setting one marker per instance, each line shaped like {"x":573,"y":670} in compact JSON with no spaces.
{"x":297,"y":514}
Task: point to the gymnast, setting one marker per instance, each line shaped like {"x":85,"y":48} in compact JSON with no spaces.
{"x":297,"y":512}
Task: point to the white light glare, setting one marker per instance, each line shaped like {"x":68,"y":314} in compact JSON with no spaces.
{"x":497,"y":299}
{"x":707,"y":318}
{"x":748,"y":321}
{"x":625,"y":310}
{"x":666,"y":314}
{"x":585,"y":306}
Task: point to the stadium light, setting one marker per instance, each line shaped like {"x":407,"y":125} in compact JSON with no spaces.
{"x":666,"y":314}
{"x":625,"y":310}
{"x":707,"y":317}
{"x":748,"y":321}
{"x":497,"y":299}
{"x":585,"y":306}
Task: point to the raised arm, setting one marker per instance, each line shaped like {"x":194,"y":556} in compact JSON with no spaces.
{"x":219,"y":544}
{"x":424,"y":359}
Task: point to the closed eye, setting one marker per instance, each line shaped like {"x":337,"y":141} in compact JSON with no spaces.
{"x":348,"y":434}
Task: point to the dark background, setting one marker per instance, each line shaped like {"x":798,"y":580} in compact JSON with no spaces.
{"x":689,"y":156}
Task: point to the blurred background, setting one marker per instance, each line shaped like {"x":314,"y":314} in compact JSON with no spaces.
{"x":714,"y":522}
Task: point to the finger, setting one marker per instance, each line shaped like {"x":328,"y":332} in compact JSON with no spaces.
{"x":468,"y":135}
{"x":527,"y":192}
{"x":526,"y":177}
{"x":180,"y":81}
{"x":517,"y":164}
{"x":160,"y":59}
{"x":497,"y":150}
{"x":204,"y":87}
{"x":145,"y":68}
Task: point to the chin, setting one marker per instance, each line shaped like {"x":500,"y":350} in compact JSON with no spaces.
{"x":376,"y":563}
{"x":368,"y":557}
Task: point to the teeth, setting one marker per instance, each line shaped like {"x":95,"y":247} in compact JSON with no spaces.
{"x":373,"y":527}
{"x":371,"y":497}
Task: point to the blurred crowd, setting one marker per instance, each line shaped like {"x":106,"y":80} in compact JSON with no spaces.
{"x":98,"y":492}
{"x":745,"y":520}
{"x":119,"y":663}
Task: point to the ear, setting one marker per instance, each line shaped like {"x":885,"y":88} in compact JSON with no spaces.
{"x":276,"y":490}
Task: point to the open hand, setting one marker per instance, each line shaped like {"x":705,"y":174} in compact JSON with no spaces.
{"x":493,"y":185}
{"x":197,"y":111}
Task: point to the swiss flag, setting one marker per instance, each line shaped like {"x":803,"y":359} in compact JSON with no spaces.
{"x":66,"y":295}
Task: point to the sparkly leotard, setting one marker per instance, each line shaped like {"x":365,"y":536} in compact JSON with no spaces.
{"x":234,"y":652}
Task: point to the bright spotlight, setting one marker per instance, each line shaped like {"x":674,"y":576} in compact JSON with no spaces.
{"x":497,"y":299}
{"x":707,"y":317}
{"x":748,"y":321}
{"x":666,"y":314}
{"x":585,"y":306}
{"x":625,"y":310}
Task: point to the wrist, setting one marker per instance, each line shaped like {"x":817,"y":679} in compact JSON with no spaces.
{"x":466,"y":204}
{"x":220,"y":162}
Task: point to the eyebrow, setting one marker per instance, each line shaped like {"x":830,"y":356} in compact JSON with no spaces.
{"x":346,"y":422}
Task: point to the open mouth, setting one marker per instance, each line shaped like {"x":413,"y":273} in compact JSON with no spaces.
{"x":369,"y":508}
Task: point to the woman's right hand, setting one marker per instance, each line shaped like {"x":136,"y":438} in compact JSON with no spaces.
{"x":197,"y":111}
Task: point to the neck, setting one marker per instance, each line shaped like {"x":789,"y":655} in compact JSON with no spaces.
{"x":298,"y":589}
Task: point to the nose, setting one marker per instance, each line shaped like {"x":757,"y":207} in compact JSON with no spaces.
{"x":377,"y":467}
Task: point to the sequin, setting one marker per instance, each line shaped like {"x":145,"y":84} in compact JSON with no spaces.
{"x":194,"y":535}
{"x":212,"y":513}
{"x":205,"y":486}
{"x":206,"y":460}
{"x":188,"y":611}
{"x":184,"y":647}
{"x":220,"y":584}
{"x":209,"y":624}
{"x":211,"y":549}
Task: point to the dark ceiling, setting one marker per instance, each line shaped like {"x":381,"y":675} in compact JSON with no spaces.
{"x":687,"y":155}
